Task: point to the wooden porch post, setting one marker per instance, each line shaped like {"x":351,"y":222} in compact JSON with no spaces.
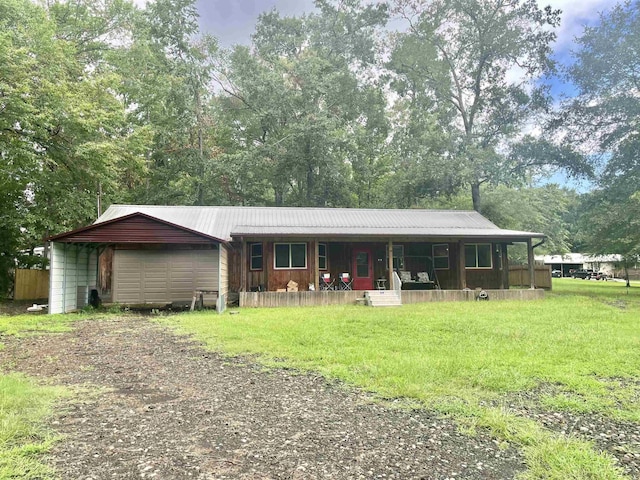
{"x":316,"y":281}
{"x":243,"y":265}
{"x":390,"y":263}
{"x":532,"y":271}
{"x":505,"y":266}
{"x":462,"y":271}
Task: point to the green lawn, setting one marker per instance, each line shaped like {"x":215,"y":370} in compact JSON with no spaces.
{"x":578,"y":349}
{"x":25,"y":405}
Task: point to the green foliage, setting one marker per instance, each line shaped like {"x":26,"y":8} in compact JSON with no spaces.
{"x":543,"y":209}
{"x":62,"y":124}
{"x":604,"y":119}
{"x":450,"y":68}
{"x":308,"y":128}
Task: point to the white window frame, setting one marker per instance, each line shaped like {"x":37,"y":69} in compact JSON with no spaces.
{"x":252,"y":256}
{"x":476,"y":267}
{"x":325,"y":256}
{"x":433,"y":252}
{"x":289,"y":244}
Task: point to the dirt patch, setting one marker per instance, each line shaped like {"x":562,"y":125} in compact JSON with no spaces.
{"x":163,"y":407}
{"x":19,"y":307}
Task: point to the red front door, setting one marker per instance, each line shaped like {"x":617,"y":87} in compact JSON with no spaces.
{"x":362,"y":269}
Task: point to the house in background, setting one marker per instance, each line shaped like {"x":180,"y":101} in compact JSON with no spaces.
{"x":608,"y":264}
{"x":158,"y":255}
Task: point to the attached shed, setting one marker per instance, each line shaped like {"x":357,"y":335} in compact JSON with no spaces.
{"x":153,"y":262}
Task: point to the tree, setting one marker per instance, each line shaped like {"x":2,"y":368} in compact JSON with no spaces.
{"x":62,"y":129}
{"x":167,"y":68}
{"x":300,"y":103}
{"x":604,"y":118}
{"x":538,"y":209}
{"x":455,"y":64}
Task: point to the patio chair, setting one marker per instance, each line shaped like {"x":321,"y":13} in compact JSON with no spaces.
{"x":345,"y":281}
{"x":423,"y":277}
{"x":405,"y":277}
{"x":326,"y":282}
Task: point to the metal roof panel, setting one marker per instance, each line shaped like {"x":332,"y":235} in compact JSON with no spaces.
{"x":221,"y":222}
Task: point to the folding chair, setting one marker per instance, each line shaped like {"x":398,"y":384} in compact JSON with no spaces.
{"x":345,"y":281}
{"x":326,"y":283}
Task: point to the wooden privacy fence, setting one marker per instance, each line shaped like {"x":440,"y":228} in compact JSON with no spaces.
{"x":31,"y":284}
{"x":519,"y":276}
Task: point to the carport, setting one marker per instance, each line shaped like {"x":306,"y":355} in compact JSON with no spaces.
{"x":154,"y":263}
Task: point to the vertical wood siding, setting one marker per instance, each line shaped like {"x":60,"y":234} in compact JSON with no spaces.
{"x":31,"y":284}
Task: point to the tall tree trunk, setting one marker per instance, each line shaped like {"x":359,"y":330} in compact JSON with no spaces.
{"x":311,"y":184}
{"x":200,"y":189}
{"x":475,"y":196}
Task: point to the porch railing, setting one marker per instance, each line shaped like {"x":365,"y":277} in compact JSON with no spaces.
{"x":396,"y":285}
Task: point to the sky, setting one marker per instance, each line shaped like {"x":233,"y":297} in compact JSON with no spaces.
{"x":233,"y":21}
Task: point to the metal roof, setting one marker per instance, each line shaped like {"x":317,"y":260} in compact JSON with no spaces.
{"x":226,"y":222}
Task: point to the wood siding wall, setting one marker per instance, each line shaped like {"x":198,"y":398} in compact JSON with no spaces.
{"x":417,"y":258}
{"x":31,"y":284}
{"x":468,"y":295}
{"x":298,"y":299}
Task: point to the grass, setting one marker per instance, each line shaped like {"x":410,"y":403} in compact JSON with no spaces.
{"x":577,"y":350}
{"x":23,"y":437}
{"x":25,"y":405}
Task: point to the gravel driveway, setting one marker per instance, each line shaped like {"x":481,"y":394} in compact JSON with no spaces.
{"x":160,"y":406}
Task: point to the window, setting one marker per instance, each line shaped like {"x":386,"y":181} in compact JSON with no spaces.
{"x":441,"y":256}
{"x":290,"y":256}
{"x":477,"y":255}
{"x":322,"y":256}
{"x":256,"y":256}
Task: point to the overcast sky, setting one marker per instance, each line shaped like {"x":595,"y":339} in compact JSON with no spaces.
{"x":233,"y":21}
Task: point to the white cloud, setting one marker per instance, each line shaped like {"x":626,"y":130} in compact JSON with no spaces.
{"x":575,"y":15}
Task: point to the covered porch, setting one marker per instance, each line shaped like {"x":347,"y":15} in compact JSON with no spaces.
{"x":429,"y":269}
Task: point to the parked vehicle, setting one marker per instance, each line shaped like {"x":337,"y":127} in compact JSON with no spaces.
{"x":589,"y":274}
{"x":582,"y":273}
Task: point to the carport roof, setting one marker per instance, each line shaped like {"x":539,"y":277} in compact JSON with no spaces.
{"x":224,"y":223}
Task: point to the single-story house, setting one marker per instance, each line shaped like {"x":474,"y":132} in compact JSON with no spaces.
{"x":158,"y":255}
{"x":568,"y":262}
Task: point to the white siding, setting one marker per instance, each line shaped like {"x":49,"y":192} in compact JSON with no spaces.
{"x":71,"y":276}
{"x":163,"y":276}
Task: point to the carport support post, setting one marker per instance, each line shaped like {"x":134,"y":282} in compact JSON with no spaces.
{"x":532,"y":271}
{"x":462,"y":271}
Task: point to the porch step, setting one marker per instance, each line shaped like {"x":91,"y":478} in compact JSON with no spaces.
{"x":382,"y":298}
